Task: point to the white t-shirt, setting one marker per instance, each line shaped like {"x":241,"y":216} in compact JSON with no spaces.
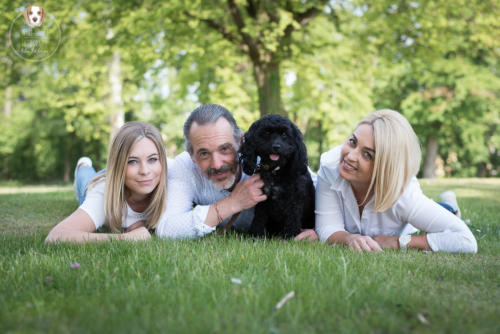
{"x":337,"y":210}
{"x":94,"y":207}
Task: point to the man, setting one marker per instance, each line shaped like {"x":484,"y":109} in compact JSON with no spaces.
{"x":206,"y":185}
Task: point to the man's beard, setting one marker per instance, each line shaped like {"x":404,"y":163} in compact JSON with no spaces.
{"x":228,"y":185}
{"x":231,"y":179}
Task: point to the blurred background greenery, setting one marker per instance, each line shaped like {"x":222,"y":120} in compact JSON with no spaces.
{"x":324,"y":64}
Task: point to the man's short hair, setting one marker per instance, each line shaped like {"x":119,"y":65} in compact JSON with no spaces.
{"x":207,"y":114}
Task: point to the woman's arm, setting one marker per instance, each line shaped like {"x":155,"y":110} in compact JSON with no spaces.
{"x":330,"y":225}
{"x":328,"y":208}
{"x":79,"y":228}
{"x":357,"y":242}
{"x":392,"y":242}
{"x":445,"y":231}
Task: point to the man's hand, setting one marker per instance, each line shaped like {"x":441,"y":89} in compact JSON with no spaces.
{"x":362,"y":243}
{"x":386,"y":241}
{"x":247,"y":193}
{"x":138,"y":234}
{"x":308,"y":235}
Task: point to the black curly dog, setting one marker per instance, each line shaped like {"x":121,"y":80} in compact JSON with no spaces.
{"x":274,"y":148}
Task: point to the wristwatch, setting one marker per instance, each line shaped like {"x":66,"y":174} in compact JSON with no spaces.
{"x":404,"y":240}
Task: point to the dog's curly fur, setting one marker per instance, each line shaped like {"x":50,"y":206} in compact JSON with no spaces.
{"x":278,"y":143}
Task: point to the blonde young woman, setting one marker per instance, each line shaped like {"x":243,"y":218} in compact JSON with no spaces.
{"x":368,"y":197}
{"x":129,"y":196}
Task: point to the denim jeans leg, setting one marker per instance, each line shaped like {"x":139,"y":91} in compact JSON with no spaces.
{"x":83,"y":177}
{"x":447,"y":207}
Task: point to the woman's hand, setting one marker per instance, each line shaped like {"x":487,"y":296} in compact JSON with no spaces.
{"x":307,"y":234}
{"x":362,"y":243}
{"x":386,"y":241}
{"x":135,"y":225}
{"x":138,"y":234}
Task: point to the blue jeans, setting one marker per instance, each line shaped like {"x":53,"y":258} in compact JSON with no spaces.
{"x":83,"y":176}
{"x":447,"y":207}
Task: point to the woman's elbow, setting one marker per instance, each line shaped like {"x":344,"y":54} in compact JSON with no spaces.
{"x":51,"y":237}
{"x":54,"y":235}
{"x":470,"y":245}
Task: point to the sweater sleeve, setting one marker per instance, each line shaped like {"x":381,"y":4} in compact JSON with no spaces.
{"x":182,"y":219}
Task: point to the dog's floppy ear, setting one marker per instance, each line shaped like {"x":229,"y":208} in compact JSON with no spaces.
{"x":300,"y":159}
{"x":26,"y":18}
{"x":248,"y":157}
{"x":43,"y":15}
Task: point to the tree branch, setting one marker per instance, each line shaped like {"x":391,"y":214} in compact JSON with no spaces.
{"x":252,"y":8}
{"x":303,"y":19}
{"x":253,"y":51}
{"x":268,"y":8}
{"x":217,"y":27}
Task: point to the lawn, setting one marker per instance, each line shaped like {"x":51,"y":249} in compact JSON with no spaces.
{"x":231,"y":284}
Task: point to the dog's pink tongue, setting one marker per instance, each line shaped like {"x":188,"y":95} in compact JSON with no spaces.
{"x":274,"y":157}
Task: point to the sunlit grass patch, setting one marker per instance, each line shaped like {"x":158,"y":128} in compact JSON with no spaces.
{"x":231,"y":284}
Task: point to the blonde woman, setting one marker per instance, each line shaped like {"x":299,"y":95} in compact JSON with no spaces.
{"x":368,"y":197}
{"x":129,"y":196}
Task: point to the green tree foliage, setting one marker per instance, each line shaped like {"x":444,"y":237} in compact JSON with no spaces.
{"x":438,"y":67}
{"x":260,"y":30}
{"x":326,"y":64}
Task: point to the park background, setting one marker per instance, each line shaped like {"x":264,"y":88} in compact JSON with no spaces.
{"x":324,"y":64}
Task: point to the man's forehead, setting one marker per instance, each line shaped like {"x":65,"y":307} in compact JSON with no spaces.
{"x":211,"y":135}
{"x":221,"y":124}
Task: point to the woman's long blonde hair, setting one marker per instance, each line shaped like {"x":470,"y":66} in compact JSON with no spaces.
{"x":397,"y":156}
{"x":115,"y":191}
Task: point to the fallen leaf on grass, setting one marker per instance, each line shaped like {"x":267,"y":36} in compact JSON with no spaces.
{"x":236,"y":280}
{"x":422,"y":319}
{"x":283,"y":301}
{"x":75,"y":265}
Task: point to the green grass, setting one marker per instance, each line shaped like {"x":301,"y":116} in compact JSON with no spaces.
{"x":185,"y":286}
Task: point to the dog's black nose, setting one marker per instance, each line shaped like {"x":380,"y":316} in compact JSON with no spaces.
{"x":276,"y":146}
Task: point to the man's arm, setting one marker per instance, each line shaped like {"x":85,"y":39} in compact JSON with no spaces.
{"x":245,"y":195}
{"x":186,"y":185}
{"x":182,"y":220}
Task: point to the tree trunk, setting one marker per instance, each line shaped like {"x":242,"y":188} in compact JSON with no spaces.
{"x":8,"y":101}
{"x":117,"y":116}
{"x":267,"y":77}
{"x":67,"y":165}
{"x":482,"y":170}
{"x":430,"y":157}
{"x":7,"y":108}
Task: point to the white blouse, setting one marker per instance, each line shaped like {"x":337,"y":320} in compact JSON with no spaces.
{"x":337,"y":210}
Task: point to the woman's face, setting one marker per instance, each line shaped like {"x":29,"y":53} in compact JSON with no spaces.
{"x":143,"y":168}
{"x":357,"y":156}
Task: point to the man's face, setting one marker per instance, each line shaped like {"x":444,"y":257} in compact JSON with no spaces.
{"x":215,"y":152}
